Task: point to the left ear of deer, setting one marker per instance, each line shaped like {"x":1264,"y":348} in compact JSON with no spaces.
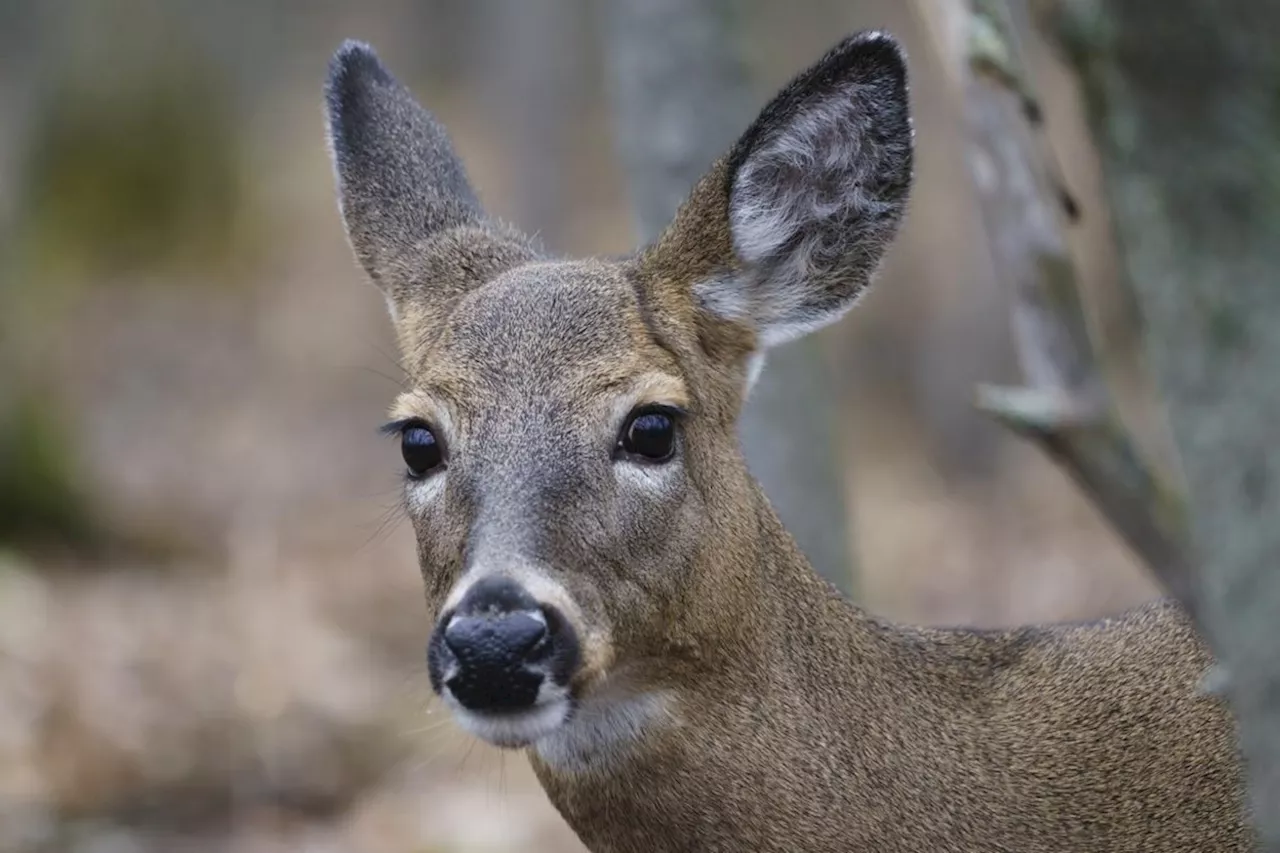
{"x":812,"y":194}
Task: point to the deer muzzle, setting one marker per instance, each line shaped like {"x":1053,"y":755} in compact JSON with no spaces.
{"x":503,"y":662}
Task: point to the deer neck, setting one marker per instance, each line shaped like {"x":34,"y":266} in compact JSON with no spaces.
{"x":798,"y":702}
{"x":809,"y":641}
{"x":793,"y":654}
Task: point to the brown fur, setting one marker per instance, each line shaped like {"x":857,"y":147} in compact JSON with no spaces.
{"x":792,"y":720}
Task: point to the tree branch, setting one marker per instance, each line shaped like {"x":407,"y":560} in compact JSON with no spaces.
{"x":1064,"y":406}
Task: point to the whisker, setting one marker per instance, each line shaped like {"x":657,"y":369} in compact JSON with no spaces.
{"x":390,"y":520}
{"x":402,"y":383}
{"x":422,"y":761}
{"x":395,"y":362}
{"x":429,"y":728}
{"x":463,"y":763}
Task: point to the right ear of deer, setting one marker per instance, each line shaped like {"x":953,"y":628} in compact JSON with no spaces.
{"x":808,"y":198}
{"x":399,"y":181}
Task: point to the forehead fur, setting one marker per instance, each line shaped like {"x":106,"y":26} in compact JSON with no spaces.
{"x":542,"y":326}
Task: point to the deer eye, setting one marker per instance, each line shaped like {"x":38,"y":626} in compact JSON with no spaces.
{"x":421,"y":451}
{"x":649,"y":434}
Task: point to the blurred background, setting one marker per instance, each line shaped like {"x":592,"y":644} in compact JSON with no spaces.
{"x":211,"y":630}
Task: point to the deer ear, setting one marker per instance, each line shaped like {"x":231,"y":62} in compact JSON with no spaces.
{"x":812,"y":193}
{"x":399,"y":181}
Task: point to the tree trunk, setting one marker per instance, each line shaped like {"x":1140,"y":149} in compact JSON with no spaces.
{"x":682,"y":98}
{"x":1064,"y":404}
{"x":530,"y":71}
{"x":1182,"y":98}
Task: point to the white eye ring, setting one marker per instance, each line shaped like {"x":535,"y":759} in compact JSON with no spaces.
{"x":421,"y":493}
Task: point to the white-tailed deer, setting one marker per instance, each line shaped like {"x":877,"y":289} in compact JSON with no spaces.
{"x":613,"y":593}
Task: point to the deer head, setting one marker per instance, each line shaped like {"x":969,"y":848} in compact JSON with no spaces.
{"x":588,"y":533}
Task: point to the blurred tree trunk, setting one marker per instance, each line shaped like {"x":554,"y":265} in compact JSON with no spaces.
{"x":1063,"y":403}
{"x":529,"y":72}
{"x":1182,"y":96}
{"x":682,"y":97}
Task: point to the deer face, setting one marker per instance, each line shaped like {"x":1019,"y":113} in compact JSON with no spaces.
{"x":583,"y":515}
{"x":546,"y":446}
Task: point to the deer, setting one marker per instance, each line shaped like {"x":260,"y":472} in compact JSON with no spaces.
{"x":611,"y":592}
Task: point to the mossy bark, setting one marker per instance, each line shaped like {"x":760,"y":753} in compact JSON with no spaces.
{"x":1064,"y":404}
{"x":1184,"y":100}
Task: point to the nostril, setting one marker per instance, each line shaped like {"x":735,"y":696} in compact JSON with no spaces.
{"x":521,"y":633}
{"x":526,"y":631}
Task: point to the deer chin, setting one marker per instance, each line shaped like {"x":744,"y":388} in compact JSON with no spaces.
{"x":605,"y":728}
{"x":516,"y":729}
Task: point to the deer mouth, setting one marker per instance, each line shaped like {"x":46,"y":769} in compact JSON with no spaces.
{"x":516,"y":729}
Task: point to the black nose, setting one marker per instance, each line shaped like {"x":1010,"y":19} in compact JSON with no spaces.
{"x":497,"y":636}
